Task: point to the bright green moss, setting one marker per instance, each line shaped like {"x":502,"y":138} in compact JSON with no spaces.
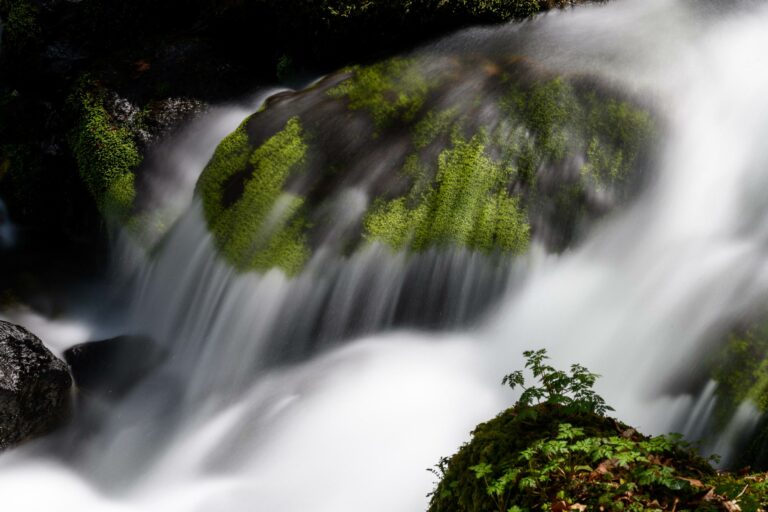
{"x":389,"y":90}
{"x":542,"y":117}
{"x":559,"y":121}
{"x":230,"y":158}
{"x":106,"y":156}
{"x":431,"y":126}
{"x":121,"y":195}
{"x":468,"y":206}
{"x":260,"y":226}
{"x":618,"y":133}
{"x":549,"y":108}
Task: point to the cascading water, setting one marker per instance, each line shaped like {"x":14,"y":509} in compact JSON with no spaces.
{"x":263,"y":407}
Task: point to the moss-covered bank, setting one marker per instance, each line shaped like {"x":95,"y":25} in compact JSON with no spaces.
{"x":557,"y":460}
{"x":556,"y":450}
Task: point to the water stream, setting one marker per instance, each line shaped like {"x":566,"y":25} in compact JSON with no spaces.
{"x":335,"y":390}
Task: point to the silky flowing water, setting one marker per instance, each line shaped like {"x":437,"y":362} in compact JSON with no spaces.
{"x":333,"y":391}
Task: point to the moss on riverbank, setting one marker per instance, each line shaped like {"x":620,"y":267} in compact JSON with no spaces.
{"x":557,"y":450}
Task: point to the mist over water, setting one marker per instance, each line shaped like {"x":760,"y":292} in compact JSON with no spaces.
{"x":335,"y":390}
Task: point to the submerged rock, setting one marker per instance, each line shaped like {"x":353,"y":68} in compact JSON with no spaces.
{"x":111,"y":368}
{"x":34,"y":387}
{"x":424,"y":152}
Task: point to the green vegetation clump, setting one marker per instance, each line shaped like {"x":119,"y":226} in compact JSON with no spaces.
{"x":617,"y":134}
{"x":468,"y":206}
{"x":559,"y":120}
{"x":20,"y":26}
{"x":742,"y":373}
{"x":106,"y":156}
{"x":431,"y":126}
{"x":394,"y":89}
{"x":555,"y":450}
{"x":255,"y":224}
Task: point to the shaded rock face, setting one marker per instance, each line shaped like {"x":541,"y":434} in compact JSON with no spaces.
{"x":34,"y":387}
{"x":111,"y":368}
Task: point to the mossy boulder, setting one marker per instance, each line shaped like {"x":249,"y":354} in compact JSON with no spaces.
{"x":424,"y":152}
{"x":546,"y":457}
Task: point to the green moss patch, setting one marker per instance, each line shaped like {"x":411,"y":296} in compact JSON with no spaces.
{"x":391,"y":90}
{"x":562,"y":119}
{"x":106,"y":156}
{"x":260,"y":226}
{"x":432,"y":125}
{"x":467,"y":206}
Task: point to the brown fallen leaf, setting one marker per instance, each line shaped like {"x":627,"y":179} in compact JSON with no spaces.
{"x":141,"y":66}
{"x":731,"y":506}
{"x":710,"y":495}
{"x":579,"y":507}
{"x":605,"y":467}
{"x":692,"y":481}
{"x":628,"y":433}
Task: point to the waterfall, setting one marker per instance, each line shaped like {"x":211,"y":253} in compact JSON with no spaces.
{"x":334,"y":390}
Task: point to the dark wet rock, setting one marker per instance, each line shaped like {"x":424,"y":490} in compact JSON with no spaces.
{"x":34,"y":387}
{"x":165,"y":116}
{"x":111,"y":368}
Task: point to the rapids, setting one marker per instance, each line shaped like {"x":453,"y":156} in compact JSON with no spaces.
{"x":316,"y":393}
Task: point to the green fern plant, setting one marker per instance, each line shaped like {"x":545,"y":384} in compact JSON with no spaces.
{"x":572,"y":391}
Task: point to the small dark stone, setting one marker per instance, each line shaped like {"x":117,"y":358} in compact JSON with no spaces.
{"x":111,"y":368}
{"x":34,"y":387}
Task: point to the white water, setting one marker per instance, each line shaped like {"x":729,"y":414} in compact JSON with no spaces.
{"x":234,"y":424}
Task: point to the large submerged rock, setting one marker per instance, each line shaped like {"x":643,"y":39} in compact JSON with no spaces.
{"x":34,"y":387}
{"x":482,"y":153}
{"x":111,"y":368}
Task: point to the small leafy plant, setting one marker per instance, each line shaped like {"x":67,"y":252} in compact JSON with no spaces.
{"x":573,"y":392}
